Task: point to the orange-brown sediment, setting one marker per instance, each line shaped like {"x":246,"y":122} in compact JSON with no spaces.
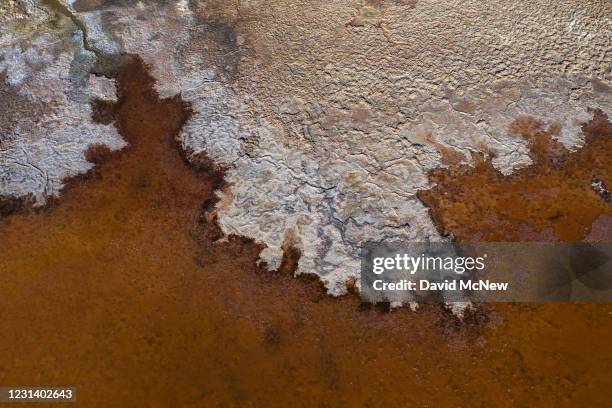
{"x":559,"y":197}
{"x":118,"y":289}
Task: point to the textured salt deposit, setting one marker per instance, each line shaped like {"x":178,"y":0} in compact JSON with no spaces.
{"x":47,"y":92}
{"x":328,"y":116}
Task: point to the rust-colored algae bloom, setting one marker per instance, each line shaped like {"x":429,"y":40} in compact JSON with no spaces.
{"x":562,"y":196}
{"x":119,"y":290}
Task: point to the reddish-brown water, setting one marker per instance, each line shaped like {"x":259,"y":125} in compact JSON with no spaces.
{"x":117,"y":289}
{"x":562,"y":196}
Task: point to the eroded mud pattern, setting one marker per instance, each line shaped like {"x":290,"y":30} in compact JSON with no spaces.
{"x":118,"y":289}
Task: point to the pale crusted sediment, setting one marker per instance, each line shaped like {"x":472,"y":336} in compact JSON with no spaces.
{"x":328,"y":115}
{"x":47,"y":90}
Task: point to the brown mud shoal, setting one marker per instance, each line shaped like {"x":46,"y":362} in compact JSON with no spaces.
{"x":118,"y":290}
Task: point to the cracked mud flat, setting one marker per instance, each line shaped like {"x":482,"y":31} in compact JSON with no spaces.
{"x":328,"y":117}
{"x":311,"y":113}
